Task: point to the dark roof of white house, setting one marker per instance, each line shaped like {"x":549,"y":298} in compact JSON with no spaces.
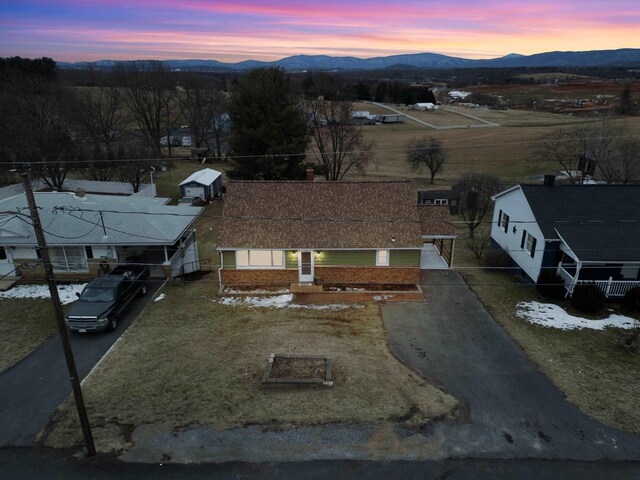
{"x":598,"y":222}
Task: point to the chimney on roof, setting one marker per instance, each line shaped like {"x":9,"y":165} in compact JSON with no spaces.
{"x":309,"y":174}
{"x":549,"y":180}
{"x":79,"y":192}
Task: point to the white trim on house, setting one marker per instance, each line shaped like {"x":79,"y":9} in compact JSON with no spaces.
{"x":306,"y":277}
{"x":296,"y":249}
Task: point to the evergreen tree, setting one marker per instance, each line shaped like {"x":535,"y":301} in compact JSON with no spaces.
{"x":269,"y":127}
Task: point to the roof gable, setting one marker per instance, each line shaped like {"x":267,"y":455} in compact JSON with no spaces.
{"x":320,"y":215}
{"x":206,"y":177}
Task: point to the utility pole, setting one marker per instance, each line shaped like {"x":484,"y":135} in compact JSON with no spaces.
{"x":62,"y":327}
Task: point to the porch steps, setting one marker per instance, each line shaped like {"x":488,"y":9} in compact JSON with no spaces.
{"x":305,"y":288}
{"x":7,"y":283}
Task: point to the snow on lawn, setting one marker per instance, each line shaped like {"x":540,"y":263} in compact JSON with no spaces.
{"x":162,"y":296}
{"x":67,"y":292}
{"x":550,"y":315}
{"x":280,"y":301}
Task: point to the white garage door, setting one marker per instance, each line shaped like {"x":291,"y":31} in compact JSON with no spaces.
{"x":194,"y":192}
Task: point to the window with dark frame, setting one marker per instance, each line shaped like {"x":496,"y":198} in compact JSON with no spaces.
{"x":503,"y":221}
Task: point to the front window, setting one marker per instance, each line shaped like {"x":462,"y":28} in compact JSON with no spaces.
{"x":441,"y":201}
{"x":382,"y":258}
{"x":528,"y":243}
{"x":503,"y":221}
{"x":68,"y":259}
{"x":259,"y":258}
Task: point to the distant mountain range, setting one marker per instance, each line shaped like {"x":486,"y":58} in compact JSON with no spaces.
{"x":593,"y":58}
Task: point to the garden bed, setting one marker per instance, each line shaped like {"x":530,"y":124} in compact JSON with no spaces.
{"x":366,"y":287}
{"x":297,"y":371}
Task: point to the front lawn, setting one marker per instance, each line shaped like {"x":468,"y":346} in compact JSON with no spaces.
{"x":587,"y":365}
{"x":190,"y":361}
{"x":24,"y":324}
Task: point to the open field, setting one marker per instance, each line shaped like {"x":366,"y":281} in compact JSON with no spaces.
{"x":506,"y":151}
{"x":594,"y":373}
{"x":24,"y":324}
{"x":572,"y":90}
{"x":442,"y":118}
{"x":190,"y":361}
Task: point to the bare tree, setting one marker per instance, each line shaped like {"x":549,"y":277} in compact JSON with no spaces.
{"x":340,"y":146}
{"x":147,"y":93}
{"x":205,"y":109}
{"x":565,"y":147}
{"x":44,"y":132}
{"x":133,"y":166}
{"x":426,"y":153}
{"x":476,"y":190}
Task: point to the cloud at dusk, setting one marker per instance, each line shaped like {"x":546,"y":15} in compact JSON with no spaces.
{"x":85,"y":30}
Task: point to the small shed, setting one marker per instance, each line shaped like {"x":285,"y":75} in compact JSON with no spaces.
{"x":205,"y":183}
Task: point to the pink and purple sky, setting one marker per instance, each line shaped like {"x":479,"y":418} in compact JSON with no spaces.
{"x":88,"y":30}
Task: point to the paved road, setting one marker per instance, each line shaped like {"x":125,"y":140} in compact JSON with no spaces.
{"x":31,"y":390}
{"x":29,"y":463}
{"x":511,"y":409}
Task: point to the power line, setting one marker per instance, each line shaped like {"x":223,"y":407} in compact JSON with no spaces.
{"x":346,"y":152}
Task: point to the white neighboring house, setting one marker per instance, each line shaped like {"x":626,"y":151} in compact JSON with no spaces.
{"x":428,"y":106}
{"x":584,"y":233}
{"x":88,"y":233}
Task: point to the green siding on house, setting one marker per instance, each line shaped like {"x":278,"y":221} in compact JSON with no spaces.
{"x":397,"y":258}
{"x":290,"y":259}
{"x":346,"y":257}
{"x":229,"y":259}
{"x":404,"y":258}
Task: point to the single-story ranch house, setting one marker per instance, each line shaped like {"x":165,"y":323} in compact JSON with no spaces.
{"x":329,"y":232}
{"x":87,"y":233}
{"x":585,"y":233}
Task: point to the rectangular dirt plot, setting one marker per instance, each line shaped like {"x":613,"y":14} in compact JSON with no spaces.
{"x":297,"y":371}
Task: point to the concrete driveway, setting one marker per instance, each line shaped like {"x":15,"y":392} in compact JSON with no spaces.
{"x":32,"y":389}
{"x":510,"y":409}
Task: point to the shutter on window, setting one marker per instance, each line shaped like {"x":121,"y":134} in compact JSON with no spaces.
{"x":524,"y":237}
{"x":533,"y":247}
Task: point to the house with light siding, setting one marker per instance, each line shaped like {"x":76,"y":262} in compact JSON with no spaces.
{"x":584,"y":233}
{"x":87,"y":233}
{"x":327,"y":232}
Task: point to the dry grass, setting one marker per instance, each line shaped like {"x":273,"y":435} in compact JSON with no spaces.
{"x":595,"y":374}
{"x":506,"y":151}
{"x":24,"y":325}
{"x":190,"y":361}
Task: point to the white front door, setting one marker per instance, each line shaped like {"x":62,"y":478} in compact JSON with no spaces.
{"x":305,"y":266}
{"x":6,"y":265}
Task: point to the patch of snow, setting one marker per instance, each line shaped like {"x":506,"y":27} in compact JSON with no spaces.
{"x":553,"y":316}
{"x":162,"y":296}
{"x":258,"y":291}
{"x":382,"y":297}
{"x":279,"y":301}
{"x":355,"y":289}
{"x":459,"y":94}
{"x":67,"y":293}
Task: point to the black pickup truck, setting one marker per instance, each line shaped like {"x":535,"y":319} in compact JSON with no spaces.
{"x":105,"y":298}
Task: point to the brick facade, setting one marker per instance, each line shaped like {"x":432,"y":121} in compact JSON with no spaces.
{"x":398,"y":275}
{"x":259,"y":277}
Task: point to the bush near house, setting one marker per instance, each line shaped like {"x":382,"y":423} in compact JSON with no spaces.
{"x":631,"y":300}
{"x":551,"y":285}
{"x":588,"y":298}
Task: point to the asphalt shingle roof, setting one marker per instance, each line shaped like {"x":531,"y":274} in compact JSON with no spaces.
{"x":598,"y":222}
{"x":436,"y":220}
{"x":127,"y":220}
{"x":320,"y":215}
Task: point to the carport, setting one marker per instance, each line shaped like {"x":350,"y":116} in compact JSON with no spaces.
{"x":438,"y":235}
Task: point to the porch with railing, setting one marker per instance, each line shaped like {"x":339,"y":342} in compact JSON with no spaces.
{"x":610,"y":287}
